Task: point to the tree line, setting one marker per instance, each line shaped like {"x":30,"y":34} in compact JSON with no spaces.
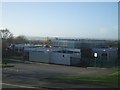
{"x":8,"y":38}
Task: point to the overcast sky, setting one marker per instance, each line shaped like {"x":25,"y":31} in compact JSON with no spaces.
{"x":80,"y":20}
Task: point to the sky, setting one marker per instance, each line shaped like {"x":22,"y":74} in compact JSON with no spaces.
{"x":97,"y":20}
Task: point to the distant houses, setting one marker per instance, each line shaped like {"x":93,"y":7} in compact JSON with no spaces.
{"x":66,"y":51}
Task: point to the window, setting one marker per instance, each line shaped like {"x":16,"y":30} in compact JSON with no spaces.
{"x":104,"y":54}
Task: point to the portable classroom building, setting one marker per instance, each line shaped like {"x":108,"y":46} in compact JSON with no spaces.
{"x":105,"y":53}
{"x":56,"y":56}
{"x":66,"y":57}
{"x":41,"y":54}
{"x":19,"y":48}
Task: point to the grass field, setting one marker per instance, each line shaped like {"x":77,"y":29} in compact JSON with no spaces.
{"x":110,"y":80}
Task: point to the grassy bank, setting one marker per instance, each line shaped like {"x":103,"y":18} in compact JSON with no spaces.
{"x":109,"y":80}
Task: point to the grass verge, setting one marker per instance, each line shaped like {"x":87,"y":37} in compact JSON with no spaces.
{"x":109,"y":80}
{"x":10,"y":60}
{"x":6,"y":65}
{"x":16,"y":57}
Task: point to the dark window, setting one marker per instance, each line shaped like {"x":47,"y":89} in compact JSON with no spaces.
{"x":63,"y":55}
{"x":58,"y":51}
{"x":64,"y":51}
{"x":104,"y":54}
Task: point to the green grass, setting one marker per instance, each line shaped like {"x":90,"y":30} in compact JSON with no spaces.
{"x":16,"y":57}
{"x":19,"y":58}
{"x":109,"y":80}
{"x":12,"y":59}
{"x":6,"y":65}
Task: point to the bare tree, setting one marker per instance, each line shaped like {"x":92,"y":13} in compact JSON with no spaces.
{"x":7,"y":39}
{"x":5,"y":34}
